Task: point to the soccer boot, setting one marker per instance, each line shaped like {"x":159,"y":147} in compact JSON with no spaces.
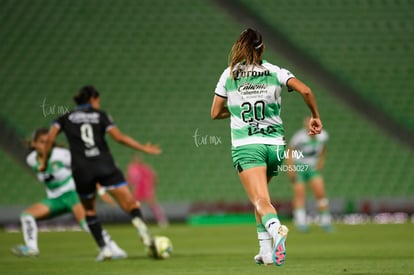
{"x":265,"y":259}
{"x":117,"y":252}
{"x":142,"y":231}
{"x":279,"y":248}
{"x":24,"y":251}
{"x":105,"y":254}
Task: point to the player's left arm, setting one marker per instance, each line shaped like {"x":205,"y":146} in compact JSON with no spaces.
{"x":321,"y":160}
{"x":120,"y":137}
{"x":51,"y":137}
{"x":315,"y":124}
{"x":219,"y":109}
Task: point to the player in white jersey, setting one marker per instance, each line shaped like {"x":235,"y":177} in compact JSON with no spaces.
{"x":249,"y":92}
{"x":61,"y":196}
{"x":306,"y":160}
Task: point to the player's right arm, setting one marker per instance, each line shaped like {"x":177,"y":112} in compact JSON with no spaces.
{"x":219,"y":109}
{"x":315,"y":124}
{"x":51,"y":136}
{"x":120,"y":137}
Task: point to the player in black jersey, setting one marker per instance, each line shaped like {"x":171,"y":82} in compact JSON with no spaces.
{"x":85,"y":129}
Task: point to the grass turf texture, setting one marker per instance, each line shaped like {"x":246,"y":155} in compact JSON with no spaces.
{"x":229,"y":249}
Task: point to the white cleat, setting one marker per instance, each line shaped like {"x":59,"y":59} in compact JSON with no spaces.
{"x":24,"y":251}
{"x":142,"y":231}
{"x":105,"y":254}
{"x":265,"y":259}
{"x":117,"y":252}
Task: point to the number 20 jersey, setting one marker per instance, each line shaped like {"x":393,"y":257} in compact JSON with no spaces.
{"x":85,"y":130}
{"x":254,"y":101}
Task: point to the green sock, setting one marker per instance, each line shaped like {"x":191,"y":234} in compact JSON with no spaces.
{"x":271,"y":223}
{"x":268,"y":217}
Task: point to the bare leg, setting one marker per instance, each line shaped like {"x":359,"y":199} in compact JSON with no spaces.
{"x":128,"y":203}
{"x":124,"y":198}
{"x":299,"y":210}
{"x":318,"y":187}
{"x":254,"y":181}
{"x":299,"y":193}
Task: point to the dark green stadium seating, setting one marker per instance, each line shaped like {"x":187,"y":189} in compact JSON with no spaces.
{"x":367,"y":43}
{"x":156,"y":64}
{"x":18,"y":186}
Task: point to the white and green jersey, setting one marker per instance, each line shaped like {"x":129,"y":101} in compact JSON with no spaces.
{"x":308,"y":148}
{"x":58,"y":175}
{"x":254,"y":101}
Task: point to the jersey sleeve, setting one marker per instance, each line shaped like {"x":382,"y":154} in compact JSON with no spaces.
{"x":31,"y":159}
{"x":59,"y":122}
{"x":284,"y":75}
{"x":62,"y":155}
{"x":107,"y":121}
{"x":221,"y":84}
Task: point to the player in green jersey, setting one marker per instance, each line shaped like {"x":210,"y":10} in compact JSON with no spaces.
{"x":249,"y":92}
{"x":306,"y":160}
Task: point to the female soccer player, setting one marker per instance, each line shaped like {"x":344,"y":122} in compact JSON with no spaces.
{"x":248,"y":92}
{"x":307,"y":170}
{"x":61,"y":196}
{"x":85,"y":129}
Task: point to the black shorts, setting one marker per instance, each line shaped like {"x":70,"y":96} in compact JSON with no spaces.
{"x":86,"y":179}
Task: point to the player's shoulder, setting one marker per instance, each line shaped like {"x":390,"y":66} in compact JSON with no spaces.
{"x":62,"y":117}
{"x":59,"y":151}
{"x":280,"y":72}
{"x":272,"y":67}
{"x":102,"y":113}
{"x":31,"y":158}
{"x":226,"y":73}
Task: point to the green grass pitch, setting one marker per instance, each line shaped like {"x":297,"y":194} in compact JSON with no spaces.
{"x":225,"y":249}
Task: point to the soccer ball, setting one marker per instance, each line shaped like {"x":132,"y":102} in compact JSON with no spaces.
{"x":163,"y":247}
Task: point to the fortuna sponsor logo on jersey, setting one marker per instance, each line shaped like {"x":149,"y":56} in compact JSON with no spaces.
{"x":241,"y":73}
{"x":81,"y":117}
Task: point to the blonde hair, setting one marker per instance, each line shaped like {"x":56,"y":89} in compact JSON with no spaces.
{"x":248,"y":49}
